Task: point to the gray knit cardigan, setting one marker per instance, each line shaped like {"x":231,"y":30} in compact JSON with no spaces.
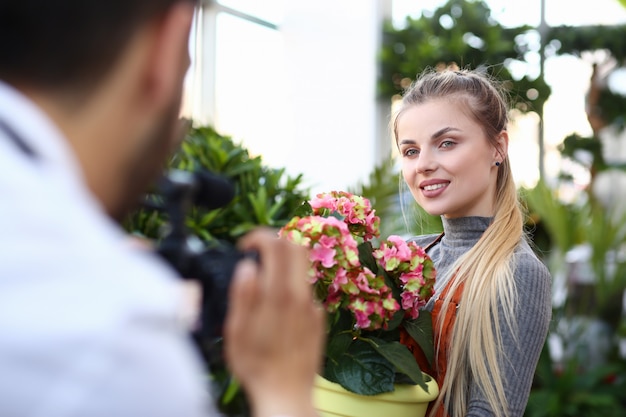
{"x":519,"y":354}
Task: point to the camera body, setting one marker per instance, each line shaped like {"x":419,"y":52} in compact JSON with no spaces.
{"x":212,"y":266}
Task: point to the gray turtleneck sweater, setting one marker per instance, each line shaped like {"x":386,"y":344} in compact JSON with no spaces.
{"x":519,"y":355}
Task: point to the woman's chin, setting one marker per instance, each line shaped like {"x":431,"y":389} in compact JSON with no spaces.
{"x":433,"y":211}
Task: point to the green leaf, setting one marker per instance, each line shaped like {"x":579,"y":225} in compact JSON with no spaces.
{"x":421,"y":330}
{"x":303,"y":210}
{"x":242,"y":229}
{"x":392,"y":283}
{"x":361,"y":370}
{"x":400,"y":356}
{"x":561,"y":221}
{"x":366,"y":258}
{"x":271,"y":212}
{"x":259,"y":205}
{"x":342,"y":321}
{"x":395,"y":321}
{"x":207,"y":218}
{"x":338,"y":345}
{"x":231,"y":391}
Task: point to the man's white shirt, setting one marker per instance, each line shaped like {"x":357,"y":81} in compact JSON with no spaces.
{"x":89,"y":325}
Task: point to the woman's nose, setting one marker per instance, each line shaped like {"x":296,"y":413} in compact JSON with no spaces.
{"x":425,"y":162}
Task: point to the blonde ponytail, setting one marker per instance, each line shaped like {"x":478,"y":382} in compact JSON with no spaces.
{"x":487,"y":273}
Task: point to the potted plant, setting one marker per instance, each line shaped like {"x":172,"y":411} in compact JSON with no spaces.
{"x":373,"y":290}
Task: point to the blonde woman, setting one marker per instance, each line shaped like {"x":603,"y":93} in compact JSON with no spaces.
{"x":492,"y":303}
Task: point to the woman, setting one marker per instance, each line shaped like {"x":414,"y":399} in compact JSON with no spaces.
{"x":492,"y":302}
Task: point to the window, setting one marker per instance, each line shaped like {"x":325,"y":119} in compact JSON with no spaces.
{"x":237,"y":75}
{"x":294,"y":82}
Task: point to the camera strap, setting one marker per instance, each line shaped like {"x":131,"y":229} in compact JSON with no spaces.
{"x":17,"y":140}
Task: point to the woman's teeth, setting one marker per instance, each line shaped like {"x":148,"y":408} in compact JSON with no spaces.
{"x":433,"y":187}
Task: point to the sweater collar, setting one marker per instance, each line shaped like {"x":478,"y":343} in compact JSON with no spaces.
{"x":464,"y":231}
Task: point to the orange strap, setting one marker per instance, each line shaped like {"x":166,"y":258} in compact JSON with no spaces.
{"x":442,"y":335}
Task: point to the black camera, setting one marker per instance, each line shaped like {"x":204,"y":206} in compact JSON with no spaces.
{"x":213,"y":265}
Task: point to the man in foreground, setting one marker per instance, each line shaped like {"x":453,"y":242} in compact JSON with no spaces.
{"x":90,"y":92}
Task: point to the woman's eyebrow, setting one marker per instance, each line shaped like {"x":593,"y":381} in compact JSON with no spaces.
{"x":434,"y":136}
{"x":443,"y":131}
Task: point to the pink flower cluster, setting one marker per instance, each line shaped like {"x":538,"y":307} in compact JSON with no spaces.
{"x":340,"y":225}
{"x":333,"y":248}
{"x":356,"y":211}
{"x":408,"y":264}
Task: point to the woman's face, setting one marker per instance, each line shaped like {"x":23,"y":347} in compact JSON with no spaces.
{"x":447,"y":161}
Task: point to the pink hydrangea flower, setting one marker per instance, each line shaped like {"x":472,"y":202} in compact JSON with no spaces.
{"x":356,"y":211}
{"x":339,"y":224}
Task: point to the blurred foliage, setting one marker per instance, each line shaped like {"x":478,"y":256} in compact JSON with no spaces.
{"x":579,"y":40}
{"x":562,"y":221}
{"x":575,"y":40}
{"x":566,"y":385}
{"x":568,"y":392}
{"x":613,"y":107}
{"x":574,"y":143}
{"x":604,"y":47}
{"x":586,"y":222}
{"x":463,"y":33}
{"x":601,"y":228}
{"x":264,"y":196}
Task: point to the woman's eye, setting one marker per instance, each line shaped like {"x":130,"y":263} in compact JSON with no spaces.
{"x":411,"y":152}
{"x":447,"y":144}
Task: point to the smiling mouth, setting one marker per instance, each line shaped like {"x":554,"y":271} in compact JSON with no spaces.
{"x":433,"y":187}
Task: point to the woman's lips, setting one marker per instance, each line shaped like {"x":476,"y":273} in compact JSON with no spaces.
{"x":433,"y":189}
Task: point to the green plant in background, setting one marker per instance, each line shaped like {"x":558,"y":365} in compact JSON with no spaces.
{"x":562,"y":221}
{"x":567,"y":392}
{"x":603,"y":47}
{"x":586,"y":222}
{"x":589,"y":377}
{"x":597,"y":227}
{"x":462,"y":32}
{"x":264,"y":196}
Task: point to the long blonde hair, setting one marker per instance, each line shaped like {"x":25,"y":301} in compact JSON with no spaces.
{"x":486,"y":269}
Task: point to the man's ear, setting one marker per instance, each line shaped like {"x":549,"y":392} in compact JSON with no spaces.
{"x":169,"y":54}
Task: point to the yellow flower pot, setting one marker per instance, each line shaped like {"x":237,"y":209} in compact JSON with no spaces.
{"x":332,"y":400}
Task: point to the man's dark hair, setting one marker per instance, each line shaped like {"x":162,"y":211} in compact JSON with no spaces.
{"x":56,"y":44}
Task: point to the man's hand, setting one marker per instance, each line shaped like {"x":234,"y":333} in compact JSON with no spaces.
{"x":274,"y":331}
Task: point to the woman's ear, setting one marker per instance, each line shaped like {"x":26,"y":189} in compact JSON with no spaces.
{"x":502,"y":146}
